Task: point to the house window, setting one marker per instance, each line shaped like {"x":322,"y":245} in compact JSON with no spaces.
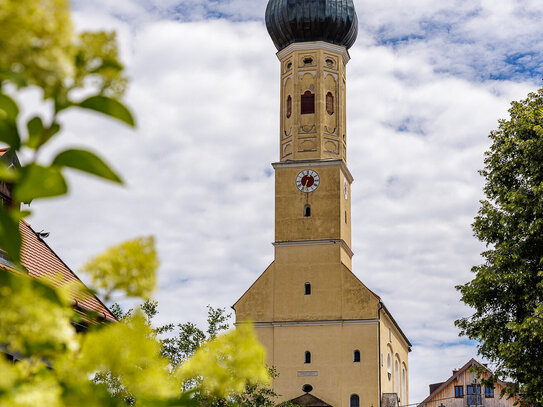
{"x":474,"y":395}
{"x":307,"y":289}
{"x":330,"y":103}
{"x":356,"y":356}
{"x":307,"y":358}
{"x":458,"y":392}
{"x":289,"y":106}
{"x":489,"y":392}
{"x":308,"y":103}
{"x":355,"y":401}
{"x":307,"y":211}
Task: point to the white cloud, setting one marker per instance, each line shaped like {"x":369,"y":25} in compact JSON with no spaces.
{"x":198,"y":172}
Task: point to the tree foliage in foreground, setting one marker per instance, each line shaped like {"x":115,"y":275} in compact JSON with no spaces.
{"x":40,"y":50}
{"x":182,"y":340}
{"x":507,"y":291}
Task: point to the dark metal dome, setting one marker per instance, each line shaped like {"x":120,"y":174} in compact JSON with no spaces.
{"x":291,"y":21}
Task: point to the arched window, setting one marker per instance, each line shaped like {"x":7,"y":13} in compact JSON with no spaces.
{"x":355,"y":400}
{"x":389,"y":366}
{"x":356,"y":356}
{"x":307,"y":289}
{"x":397,"y":377}
{"x":307,"y":358}
{"x":404,"y":387}
{"x":330,"y":103}
{"x":307,"y":211}
{"x":289,"y":106}
{"x":307,"y":103}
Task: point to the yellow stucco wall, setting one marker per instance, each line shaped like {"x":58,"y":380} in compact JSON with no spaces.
{"x":330,"y":211}
{"x":394,"y":345}
{"x":332,"y":372}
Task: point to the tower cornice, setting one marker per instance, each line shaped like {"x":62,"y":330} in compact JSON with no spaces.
{"x":312,"y":45}
{"x":315,"y":163}
{"x":341,"y":242}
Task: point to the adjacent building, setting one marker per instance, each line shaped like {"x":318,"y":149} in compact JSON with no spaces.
{"x":464,"y":389}
{"x":331,"y":339}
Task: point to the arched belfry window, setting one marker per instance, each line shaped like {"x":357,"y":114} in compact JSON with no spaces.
{"x":307,"y":357}
{"x":307,"y":103}
{"x":289,"y":106}
{"x":330,"y":103}
{"x":307,"y":289}
{"x":355,"y":401}
{"x":356,"y":356}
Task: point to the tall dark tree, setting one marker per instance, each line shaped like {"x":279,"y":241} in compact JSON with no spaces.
{"x":507,"y":291}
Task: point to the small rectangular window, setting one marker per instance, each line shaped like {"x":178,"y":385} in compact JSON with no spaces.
{"x":489,"y":392}
{"x":458,"y":391}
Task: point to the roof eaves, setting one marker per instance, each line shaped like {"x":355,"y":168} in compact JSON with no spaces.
{"x":395,"y":324}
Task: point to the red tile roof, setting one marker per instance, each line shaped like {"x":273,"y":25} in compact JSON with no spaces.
{"x":41,"y":261}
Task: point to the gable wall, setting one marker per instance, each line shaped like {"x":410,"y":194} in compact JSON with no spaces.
{"x":446,"y":395}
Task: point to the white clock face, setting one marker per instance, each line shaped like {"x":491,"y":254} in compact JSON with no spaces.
{"x":307,"y":181}
{"x":345,"y":189}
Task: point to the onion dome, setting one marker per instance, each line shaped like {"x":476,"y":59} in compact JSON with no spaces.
{"x":332,"y":21}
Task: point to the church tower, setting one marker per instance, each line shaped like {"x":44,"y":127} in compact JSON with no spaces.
{"x":331,"y":340}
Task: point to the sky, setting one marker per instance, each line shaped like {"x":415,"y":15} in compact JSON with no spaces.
{"x":427,"y":82}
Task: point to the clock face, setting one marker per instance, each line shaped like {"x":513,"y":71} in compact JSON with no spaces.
{"x":307,"y":181}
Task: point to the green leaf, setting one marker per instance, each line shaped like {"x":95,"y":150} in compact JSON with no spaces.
{"x":8,"y":106}
{"x":35,"y":132}
{"x":8,"y":174}
{"x":39,"y":182}
{"x":38,"y":135}
{"x":10,"y":238}
{"x":110,"y":107}
{"x":86,"y":161}
{"x":9,"y":133}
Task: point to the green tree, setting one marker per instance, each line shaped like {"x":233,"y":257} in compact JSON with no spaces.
{"x":39,"y":49}
{"x":507,"y":291}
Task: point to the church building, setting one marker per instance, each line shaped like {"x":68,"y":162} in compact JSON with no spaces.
{"x":330,"y":338}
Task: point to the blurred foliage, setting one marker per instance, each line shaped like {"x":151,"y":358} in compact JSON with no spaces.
{"x":507,"y":290}
{"x":129,"y":267}
{"x":181,"y":341}
{"x":42,"y":359}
